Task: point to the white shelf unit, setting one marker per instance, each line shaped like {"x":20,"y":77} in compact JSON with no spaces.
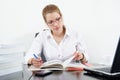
{"x":11,"y":59}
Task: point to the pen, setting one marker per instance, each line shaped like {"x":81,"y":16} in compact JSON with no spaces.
{"x":35,"y":56}
{"x":76,"y":48}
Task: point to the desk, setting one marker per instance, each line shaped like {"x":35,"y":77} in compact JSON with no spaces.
{"x":57,"y":75}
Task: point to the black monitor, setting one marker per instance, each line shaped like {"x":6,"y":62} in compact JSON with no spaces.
{"x":116,"y":60}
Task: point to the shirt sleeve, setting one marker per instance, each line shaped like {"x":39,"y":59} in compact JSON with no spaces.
{"x":82,"y":46}
{"x":35,"y":48}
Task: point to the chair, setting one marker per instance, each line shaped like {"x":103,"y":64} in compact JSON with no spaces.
{"x":42,"y":52}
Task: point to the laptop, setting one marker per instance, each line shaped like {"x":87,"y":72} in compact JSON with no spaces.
{"x":111,"y":71}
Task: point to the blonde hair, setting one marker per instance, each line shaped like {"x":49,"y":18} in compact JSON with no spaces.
{"x":49,"y":9}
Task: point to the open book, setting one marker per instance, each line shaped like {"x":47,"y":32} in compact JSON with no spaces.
{"x":58,"y":65}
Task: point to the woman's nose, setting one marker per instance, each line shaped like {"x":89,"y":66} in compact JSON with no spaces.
{"x":55,"y":23}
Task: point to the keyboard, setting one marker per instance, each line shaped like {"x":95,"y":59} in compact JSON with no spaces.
{"x":105,"y":69}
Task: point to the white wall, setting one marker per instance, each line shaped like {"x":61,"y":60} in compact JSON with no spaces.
{"x":97,"y":20}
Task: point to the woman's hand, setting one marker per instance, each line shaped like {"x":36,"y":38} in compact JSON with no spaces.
{"x":78,"y":56}
{"x":37,"y":62}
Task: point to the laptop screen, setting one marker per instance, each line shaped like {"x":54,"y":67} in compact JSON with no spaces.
{"x":116,"y":62}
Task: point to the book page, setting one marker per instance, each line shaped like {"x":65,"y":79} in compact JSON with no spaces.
{"x":52,"y":64}
{"x":66,"y":62}
{"x":49,"y":65}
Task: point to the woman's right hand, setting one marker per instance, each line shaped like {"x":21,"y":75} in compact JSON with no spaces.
{"x":37,"y":62}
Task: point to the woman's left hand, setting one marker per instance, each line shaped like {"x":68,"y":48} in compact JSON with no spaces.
{"x":78,"y":56}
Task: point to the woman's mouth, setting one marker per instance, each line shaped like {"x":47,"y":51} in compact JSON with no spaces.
{"x":56,"y":28}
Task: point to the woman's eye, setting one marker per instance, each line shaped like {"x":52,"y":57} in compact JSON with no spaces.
{"x":57,"y":19}
{"x":50,"y":22}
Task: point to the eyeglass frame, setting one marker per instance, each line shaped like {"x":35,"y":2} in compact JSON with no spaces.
{"x":51,"y":22}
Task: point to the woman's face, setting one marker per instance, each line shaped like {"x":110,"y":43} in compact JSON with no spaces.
{"x":54,"y":21}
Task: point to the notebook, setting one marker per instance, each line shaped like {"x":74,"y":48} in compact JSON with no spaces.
{"x":111,"y":71}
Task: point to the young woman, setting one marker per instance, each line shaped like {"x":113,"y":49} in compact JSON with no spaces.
{"x":57,"y":42}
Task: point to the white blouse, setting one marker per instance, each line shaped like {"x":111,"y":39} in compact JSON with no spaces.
{"x":52,"y":50}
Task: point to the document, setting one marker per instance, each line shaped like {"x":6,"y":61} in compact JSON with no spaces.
{"x":58,"y":65}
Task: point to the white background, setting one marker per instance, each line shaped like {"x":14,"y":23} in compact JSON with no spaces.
{"x":97,"y":20}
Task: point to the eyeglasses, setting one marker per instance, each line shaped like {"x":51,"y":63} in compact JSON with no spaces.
{"x":51,"y":22}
